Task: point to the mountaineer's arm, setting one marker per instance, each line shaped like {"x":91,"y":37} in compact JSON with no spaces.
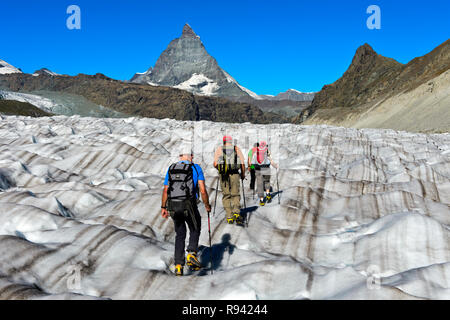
{"x":164,"y":212}
{"x":204,"y":195}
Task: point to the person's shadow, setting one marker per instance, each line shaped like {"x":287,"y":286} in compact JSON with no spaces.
{"x":218,"y":251}
{"x":274,"y":194}
{"x":245,"y":214}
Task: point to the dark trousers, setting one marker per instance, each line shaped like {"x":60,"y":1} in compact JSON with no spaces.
{"x":194,"y":223}
{"x":252,"y":179}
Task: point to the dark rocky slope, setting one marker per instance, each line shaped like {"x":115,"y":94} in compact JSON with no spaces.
{"x":141,"y":100}
{"x":17,"y":108}
{"x":370,"y":79}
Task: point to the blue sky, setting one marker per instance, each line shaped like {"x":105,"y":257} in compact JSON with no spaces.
{"x":267,"y":46}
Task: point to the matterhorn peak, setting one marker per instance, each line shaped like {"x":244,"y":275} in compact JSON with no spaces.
{"x":188,"y":32}
{"x":186,"y":65}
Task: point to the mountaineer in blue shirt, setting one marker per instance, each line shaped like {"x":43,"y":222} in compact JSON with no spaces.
{"x":184,"y":180}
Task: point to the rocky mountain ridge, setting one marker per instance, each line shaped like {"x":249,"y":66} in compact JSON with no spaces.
{"x":140,"y":100}
{"x":369,"y":82}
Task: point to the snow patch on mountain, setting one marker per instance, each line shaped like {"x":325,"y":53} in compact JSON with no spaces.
{"x":6,"y":68}
{"x":293,"y":95}
{"x":46,"y":72}
{"x":199,"y":84}
{"x":37,"y":101}
{"x":300,"y":92}
{"x":62,"y":103}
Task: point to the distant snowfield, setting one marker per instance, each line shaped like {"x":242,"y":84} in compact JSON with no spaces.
{"x":44,"y":70}
{"x":6,"y":68}
{"x":364,"y":214}
{"x":40,"y":102}
{"x":62,"y":103}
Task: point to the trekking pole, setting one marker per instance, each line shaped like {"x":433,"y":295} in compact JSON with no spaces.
{"x":278,"y":187}
{"x":210,"y":248}
{"x":245,"y":205}
{"x":243,"y":193}
{"x":217,"y":190}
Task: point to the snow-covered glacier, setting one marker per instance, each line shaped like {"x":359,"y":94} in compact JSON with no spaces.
{"x":363,"y":214}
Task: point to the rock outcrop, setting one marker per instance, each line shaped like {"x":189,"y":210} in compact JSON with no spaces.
{"x":370,"y":80}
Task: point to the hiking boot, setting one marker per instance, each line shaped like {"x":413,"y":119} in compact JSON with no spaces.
{"x":193,"y":262}
{"x":262,"y":202}
{"x":230,"y":220}
{"x":238,"y":218}
{"x":269,"y":198}
{"x":178,"y":270}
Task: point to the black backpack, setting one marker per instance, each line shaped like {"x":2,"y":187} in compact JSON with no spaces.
{"x":228,"y":163}
{"x":182,"y":190}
